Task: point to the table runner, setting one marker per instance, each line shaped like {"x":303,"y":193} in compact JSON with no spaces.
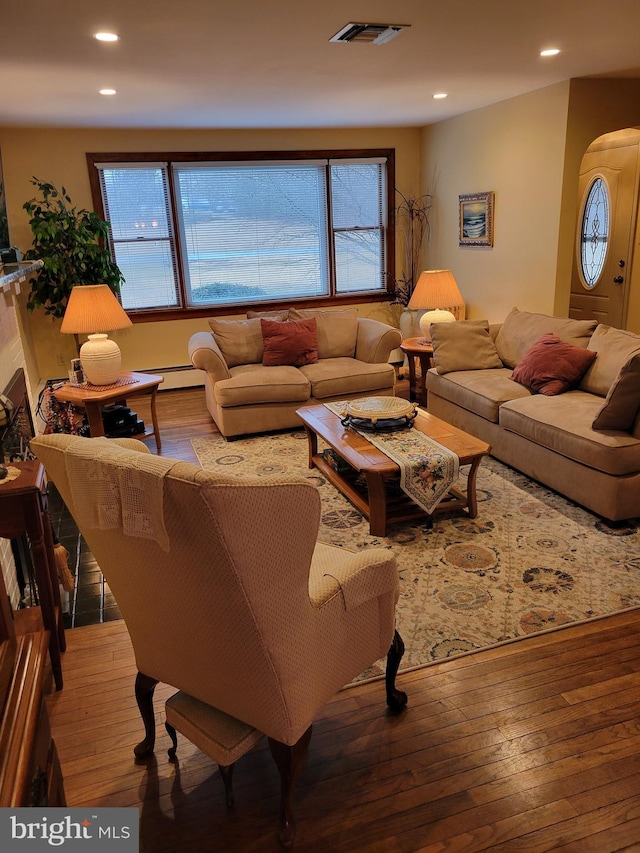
{"x":427,"y":468}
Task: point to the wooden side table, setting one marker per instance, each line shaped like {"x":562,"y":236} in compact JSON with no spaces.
{"x":421,"y":349}
{"x":24,"y":509}
{"x":92,"y":399}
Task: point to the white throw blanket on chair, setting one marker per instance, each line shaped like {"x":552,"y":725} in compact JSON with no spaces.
{"x":130,"y":497}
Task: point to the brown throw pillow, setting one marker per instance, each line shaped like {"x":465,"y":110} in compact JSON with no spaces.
{"x":621,"y":405}
{"x":293,"y":342}
{"x":552,"y":366}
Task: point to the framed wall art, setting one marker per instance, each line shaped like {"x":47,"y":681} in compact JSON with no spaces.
{"x":476,"y":219}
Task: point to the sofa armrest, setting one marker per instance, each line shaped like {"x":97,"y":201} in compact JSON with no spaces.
{"x":376,"y":340}
{"x":205,"y":354}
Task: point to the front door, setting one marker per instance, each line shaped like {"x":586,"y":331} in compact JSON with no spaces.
{"x":607,"y":190}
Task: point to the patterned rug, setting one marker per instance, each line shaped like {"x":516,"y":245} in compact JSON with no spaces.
{"x":530,"y":562}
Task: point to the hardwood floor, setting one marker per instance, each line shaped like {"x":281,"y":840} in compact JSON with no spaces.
{"x":532,"y":746}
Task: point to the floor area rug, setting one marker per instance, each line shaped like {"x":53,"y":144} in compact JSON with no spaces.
{"x":531,"y":561}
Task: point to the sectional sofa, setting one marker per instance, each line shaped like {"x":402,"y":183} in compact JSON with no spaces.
{"x":583,"y":442}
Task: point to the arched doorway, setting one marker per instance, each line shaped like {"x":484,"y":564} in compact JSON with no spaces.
{"x":607,"y":213}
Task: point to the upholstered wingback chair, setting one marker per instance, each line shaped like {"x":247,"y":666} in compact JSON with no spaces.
{"x":224,"y":590}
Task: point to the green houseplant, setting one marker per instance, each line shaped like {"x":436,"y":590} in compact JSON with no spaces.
{"x":71,"y":243}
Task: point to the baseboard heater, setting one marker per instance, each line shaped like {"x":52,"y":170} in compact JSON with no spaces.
{"x":178,"y":376}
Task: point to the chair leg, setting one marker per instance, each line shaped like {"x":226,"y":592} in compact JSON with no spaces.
{"x":289,"y":761}
{"x":145,"y":685}
{"x":226,"y":771}
{"x":174,"y":741}
{"x":396,"y":699}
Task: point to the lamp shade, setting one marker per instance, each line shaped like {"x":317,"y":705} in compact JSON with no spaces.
{"x":93,"y":309}
{"x":436,"y":289}
{"x":438,"y":295}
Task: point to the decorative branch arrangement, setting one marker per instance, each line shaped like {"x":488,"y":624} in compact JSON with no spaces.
{"x":412,"y":221}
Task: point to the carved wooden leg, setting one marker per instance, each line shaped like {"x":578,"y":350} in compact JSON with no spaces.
{"x":226,"y":771}
{"x":174,"y":741}
{"x":396,"y":699}
{"x":289,"y":761}
{"x":145,"y":685}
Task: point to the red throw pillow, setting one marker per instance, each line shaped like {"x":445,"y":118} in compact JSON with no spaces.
{"x":552,"y":366}
{"x":292,"y":342}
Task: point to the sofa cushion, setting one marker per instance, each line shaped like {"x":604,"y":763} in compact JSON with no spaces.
{"x":292,"y":342}
{"x":240,"y":341}
{"x":333,"y":377}
{"x":621,"y":405}
{"x":478,"y":391}
{"x":552,"y":366}
{"x":254,"y":383}
{"x":281,"y":316}
{"x":614,"y":347}
{"x":465,"y":345}
{"x":563,"y":424}
{"x":337,"y":330}
{"x":521,"y":329}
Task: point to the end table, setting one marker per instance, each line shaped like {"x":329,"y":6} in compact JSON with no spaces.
{"x":421,"y":349}
{"x":92,"y":399}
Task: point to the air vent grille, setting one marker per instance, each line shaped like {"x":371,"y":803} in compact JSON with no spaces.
{"x":369,"y":33}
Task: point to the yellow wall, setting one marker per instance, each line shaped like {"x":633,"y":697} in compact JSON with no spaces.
{"x":58,"y":156}
{"x":515,"y":149}
{"x":528,"y":151}
{"x":595,"y":107}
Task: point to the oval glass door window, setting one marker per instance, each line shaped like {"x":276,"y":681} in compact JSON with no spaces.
{"x":594,"y":234}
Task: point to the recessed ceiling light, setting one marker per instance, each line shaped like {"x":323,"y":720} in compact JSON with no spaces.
{"x":550,"y":51}
{"x":439,"y":96}
{"x":107,"y":91}
{"x":106,"y":36}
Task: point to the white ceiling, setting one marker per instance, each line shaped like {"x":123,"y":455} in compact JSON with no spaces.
{"x":269,"y":63}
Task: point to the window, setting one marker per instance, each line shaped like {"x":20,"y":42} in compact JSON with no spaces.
{"x":594,"y":233}
{"x":231,"y":231}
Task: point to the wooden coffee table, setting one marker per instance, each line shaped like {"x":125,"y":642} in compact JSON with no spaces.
{"x":381,"y":500}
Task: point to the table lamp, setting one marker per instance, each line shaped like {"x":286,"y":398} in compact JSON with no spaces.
{"x":437,"y":293}
{"x":93,"y":310}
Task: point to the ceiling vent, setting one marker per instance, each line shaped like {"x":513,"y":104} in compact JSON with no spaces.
{"x":370,"y":33}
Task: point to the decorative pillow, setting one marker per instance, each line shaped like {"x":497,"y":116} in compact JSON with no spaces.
{"x":521,"y":329}
{"x":621,"y":405}
{"x":292,"y":342}
{"x":465,"y":345}
{"x":240,"y":341}
{"x":614,"y":347}
{"x":552,"y":366}
{"x":281,"y":316}
{"x":337,"y":330}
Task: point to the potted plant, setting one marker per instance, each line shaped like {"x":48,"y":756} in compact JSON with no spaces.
{"x":71,"y":243}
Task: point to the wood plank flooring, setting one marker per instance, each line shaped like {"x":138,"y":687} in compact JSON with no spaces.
{"x":532,"y":746}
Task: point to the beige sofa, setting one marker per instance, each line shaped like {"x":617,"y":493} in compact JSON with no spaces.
{"x":246,"y":396}
{"x":583,"y":443}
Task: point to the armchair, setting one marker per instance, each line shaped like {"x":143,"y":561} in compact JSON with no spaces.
{"x":226,"y":594}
